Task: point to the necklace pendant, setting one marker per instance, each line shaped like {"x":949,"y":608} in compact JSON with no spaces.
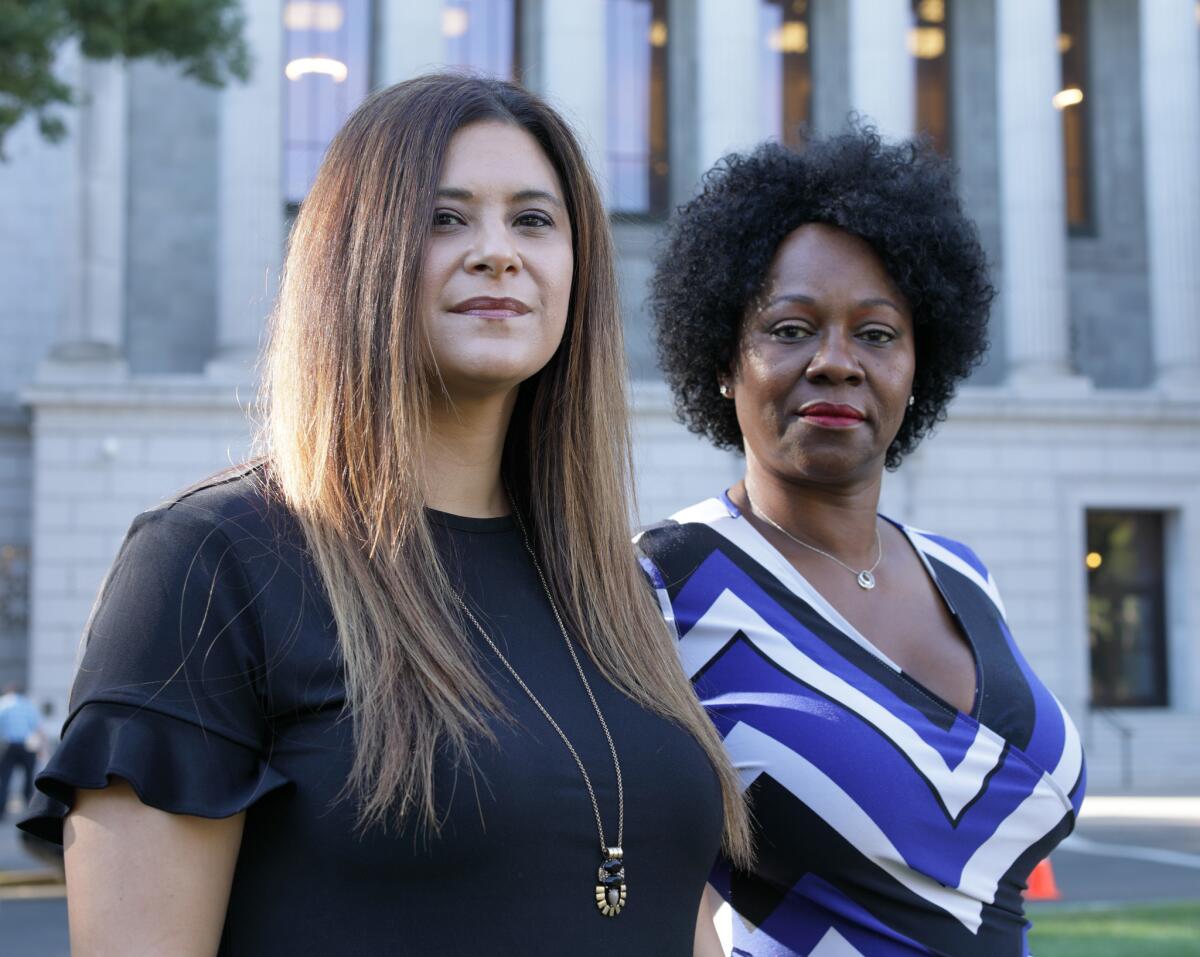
{"x":610,"y":891}
{"x":866,"y":580}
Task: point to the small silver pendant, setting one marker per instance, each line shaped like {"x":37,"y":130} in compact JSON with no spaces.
{"x":866,"y":580}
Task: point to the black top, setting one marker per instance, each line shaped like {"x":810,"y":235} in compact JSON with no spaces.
{"x":211,"y":681}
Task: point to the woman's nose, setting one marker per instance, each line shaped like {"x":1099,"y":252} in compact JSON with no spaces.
{"x":834,"y":360}
{"x":493,"y":251}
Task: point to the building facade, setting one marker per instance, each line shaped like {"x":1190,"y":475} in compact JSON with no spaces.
{"x":139,"y":259}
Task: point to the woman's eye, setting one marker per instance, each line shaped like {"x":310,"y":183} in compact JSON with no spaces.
{"x":443,"y":217}
{"x":878,"y":336}
{"x":539,"y":220}
{"x":790,"y":330}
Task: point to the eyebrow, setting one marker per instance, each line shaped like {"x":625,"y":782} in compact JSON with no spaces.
{"x":810,"y":301}
{"x":521,"y":196}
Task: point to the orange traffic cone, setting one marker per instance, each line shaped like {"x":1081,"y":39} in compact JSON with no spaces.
{"x":1041,"y":885}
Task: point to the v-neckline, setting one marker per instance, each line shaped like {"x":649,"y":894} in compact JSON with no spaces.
{"x":803,"y":589}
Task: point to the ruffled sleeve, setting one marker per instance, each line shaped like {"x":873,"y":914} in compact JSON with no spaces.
{"x":170,"y":694}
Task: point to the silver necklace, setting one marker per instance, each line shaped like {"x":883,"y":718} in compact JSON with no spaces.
{"x":865,"y":577}
{"x":610,"y":886}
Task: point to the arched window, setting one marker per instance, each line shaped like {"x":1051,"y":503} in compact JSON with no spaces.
{"x":637,"y":130}
{"x":786,"y":68}
{"x":327,"y":52}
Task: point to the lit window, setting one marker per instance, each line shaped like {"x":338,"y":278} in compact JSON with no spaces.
{"x":637,"y":106}
{"x":929,"y":44}
{"x":1126,"y":608}
{"x":786,"y":68}
{"x":327,"y":46}
{"x":1072,"y":102}
{"x":483,"y":36}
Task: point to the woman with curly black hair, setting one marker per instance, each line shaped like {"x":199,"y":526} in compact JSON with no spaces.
{"x":815,"y":310}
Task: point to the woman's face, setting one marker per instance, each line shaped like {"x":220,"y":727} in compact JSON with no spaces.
{"x":496,"y":280}
{"x":826,"y":361}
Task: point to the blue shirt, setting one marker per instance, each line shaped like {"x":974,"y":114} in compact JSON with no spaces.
{"x":889,"y":823}
{"x":18,"y":718}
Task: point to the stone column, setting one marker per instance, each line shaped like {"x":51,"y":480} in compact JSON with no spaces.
{"x":882,"y":74}
{"x":1032,"y":192}
{"x":410,"y":39}
{"x":728,"y":50}
{"x":250,"y":234}
{"x":91,"y":338}
{"x":570,"y":68}
{"x":1171,"y":134}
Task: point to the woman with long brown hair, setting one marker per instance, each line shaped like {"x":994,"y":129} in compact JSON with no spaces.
{"x":398,"y":687}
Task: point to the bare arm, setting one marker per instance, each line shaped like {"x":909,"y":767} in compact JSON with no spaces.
{"x":143,"y":882}
{"x":707,"y":944}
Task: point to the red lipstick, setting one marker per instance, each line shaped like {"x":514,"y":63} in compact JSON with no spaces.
{"x":831,"y":416}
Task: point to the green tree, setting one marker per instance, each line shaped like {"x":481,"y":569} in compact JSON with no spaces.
{"x":203,"y":36}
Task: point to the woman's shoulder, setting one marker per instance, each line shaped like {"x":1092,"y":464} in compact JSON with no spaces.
{"x":688,"y":526}
{"x":946,"y":549}
{"x":950,"y":556}
{"x":234,"y":511}
{"x":237,"y":497}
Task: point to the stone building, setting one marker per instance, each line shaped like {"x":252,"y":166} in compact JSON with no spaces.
{"x":138,"y":260}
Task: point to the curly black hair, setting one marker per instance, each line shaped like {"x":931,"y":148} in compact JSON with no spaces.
{"x":901,"y":199}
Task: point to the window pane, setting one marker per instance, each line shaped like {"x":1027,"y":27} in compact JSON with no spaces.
{"x":482,"y":35}
{"x":1072,"y":102}
{"x":327,"y":47}
{"x":1126,"y":608}
{"x":929,"y":43}
{"x":786,"y":68}
{"x":637,"y":107}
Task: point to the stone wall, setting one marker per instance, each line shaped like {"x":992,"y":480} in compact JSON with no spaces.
{"x":101,"y":455}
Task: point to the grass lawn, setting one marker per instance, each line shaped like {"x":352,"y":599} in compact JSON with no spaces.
{"x":1162,"y":930}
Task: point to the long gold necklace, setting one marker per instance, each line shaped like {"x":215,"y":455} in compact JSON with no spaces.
{"x":610,"y":880}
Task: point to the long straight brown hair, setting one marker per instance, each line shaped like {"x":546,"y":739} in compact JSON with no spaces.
{"x":348,"y":388}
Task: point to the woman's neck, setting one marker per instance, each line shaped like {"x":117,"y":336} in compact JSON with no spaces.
{"x":840,"y":519}
{"x":463,"y":455}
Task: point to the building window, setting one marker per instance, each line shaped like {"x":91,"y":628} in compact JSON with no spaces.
{"x":786,"y":68}
{"x":637,"y":108}
{"x":1071,"y":101}
{"x":327,"y":48}
{"x":929,"y":43}
{"x":14,"y":589}
{"x":1126,"y":609}
{"x":483,"y":36}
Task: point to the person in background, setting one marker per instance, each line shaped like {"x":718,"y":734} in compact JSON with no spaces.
{"x":815,"y":311}
{"x":22,"y":740}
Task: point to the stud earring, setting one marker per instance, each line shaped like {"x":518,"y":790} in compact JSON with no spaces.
{"x":726,"y":392}
{"x":911,"y":401}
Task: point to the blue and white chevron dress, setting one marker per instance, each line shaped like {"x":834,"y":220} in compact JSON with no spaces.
{"x":888,"y":823}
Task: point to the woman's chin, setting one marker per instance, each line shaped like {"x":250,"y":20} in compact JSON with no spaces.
{"x":487,"y":379}
{"x":832,"y":467}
